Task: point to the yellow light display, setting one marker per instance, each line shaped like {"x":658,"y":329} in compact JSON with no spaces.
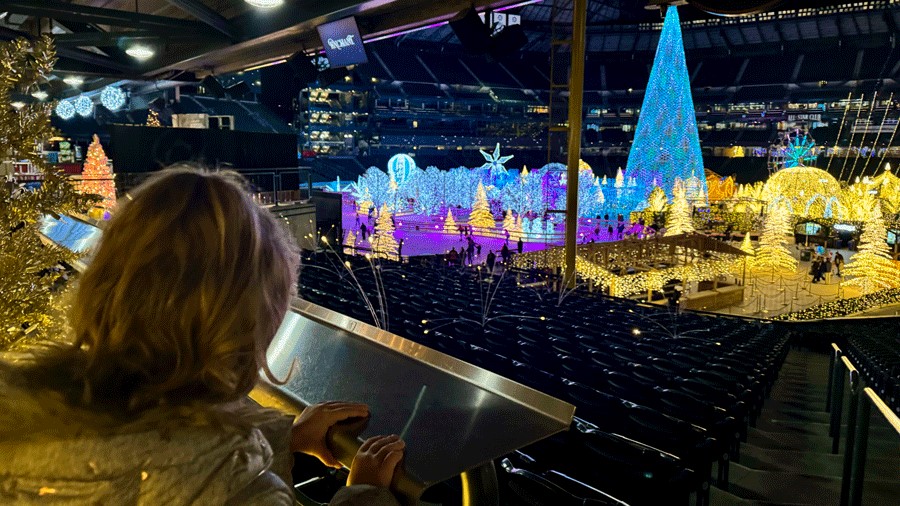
{"x":772,"y":255}
{"x":719,"y":188}
{"x":872,"y":268}
{"x":805,"y":191}
{"x":383,"y":243}
{"x":679,"y":220}
{"x":481,"y":218}
{"x":97,"y":178}
{"x":450,"y":225}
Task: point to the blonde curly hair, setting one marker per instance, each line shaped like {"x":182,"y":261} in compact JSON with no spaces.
{"x":184,"y":293}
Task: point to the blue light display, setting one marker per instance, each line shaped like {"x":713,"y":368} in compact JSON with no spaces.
{"x":84,"y":106}
{"x":666,"y":143}
{"x":65,"y":109}
{"x":799,"y":151}
{"x":112,"y":98}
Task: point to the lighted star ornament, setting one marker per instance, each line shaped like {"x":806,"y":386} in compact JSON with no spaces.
{"x":494,"y":162}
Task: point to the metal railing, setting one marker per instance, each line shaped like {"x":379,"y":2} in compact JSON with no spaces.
{"x":846,"y":389}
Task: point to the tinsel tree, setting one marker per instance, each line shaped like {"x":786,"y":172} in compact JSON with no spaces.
{"x":871,"y":267}
{"x":679,"y":219}
{"x":153,"y":119}
{"x":383,"y":243}
{"x":481,"y":218}
{"x":450,"y":225}
{"x":772,"y":253}
{"x":97,"y":178}
{"x":28,"y":307}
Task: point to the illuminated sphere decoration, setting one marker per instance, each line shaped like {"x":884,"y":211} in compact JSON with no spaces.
{"x":805,"y":191}
{"x":112,"y":98}
{"x":65,"y":109}
{"x":84,"y":106}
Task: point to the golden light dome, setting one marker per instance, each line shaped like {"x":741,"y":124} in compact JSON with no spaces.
{"x":805,"y":191}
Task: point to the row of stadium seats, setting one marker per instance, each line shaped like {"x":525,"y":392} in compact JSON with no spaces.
{"x":662,"y":400}
{"x":876,"y":353}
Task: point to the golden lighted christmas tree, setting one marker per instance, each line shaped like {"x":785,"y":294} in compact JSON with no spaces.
{"x":871,"y":267}
{"x":28,"y":308}
{"x":383,"y":243}
{"x":153,"y":119}
{"x":97,"y":178}
{"x":481,"y":218}
{"x":450,"y":225}
{"x":772,"y":254}
{"x":678,"y":220}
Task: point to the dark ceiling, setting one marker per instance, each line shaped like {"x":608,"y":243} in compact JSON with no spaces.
{"x":194,"y":38}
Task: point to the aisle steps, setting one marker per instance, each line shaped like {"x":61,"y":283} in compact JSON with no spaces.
{"x":787,"y":458}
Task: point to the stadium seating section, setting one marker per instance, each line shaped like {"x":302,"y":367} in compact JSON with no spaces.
{"x":663,"y":401}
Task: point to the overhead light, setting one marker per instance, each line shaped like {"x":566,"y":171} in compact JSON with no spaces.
{"x":113,"y":98}
{"x":265,"y":4}
{"x":140,"y":52}
{"x":18,"y":104}
{"x":73,"y":81}
{"x":40,"y":95}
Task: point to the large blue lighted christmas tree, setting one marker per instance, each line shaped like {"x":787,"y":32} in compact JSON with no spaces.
{"x":666,"y":145}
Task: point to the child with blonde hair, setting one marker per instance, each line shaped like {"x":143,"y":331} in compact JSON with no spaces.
{"x":171,"y":322}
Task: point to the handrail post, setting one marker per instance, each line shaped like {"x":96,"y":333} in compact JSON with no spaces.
{"x":832,"y":358}
{"x":855,"y":393}
{"x":860,"y":449}
{"x":837,"y":406}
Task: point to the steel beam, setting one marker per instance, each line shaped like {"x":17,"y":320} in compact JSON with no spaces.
{"x":71,"y":53}
{"x":576,"y":95}
{"x":54,"y":9}
{"x":206,"y":15}
{"x":101,"y":39}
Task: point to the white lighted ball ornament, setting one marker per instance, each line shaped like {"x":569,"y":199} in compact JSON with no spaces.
{"x":65,"y":109}
{"x":84,"y":106}
{"x":112,"y":98}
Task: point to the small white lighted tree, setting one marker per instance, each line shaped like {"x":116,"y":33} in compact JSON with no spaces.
{"x":383,"y":243}
{"x":772,"y":253}
{"x":871,"y":267}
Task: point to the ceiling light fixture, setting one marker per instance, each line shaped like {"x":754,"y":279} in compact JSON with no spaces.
{"x":40,"y":95}
{"x":265,"y":4}
{"x":18,"y":104}
{"x":140,"y":52}
{"x":73,"y":81}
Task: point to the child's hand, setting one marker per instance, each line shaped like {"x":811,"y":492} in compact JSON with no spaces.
{"x":376,"y":461}
{"x":308,"y":434}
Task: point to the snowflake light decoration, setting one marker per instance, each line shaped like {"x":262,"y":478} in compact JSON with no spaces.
{"x":494,"y":162}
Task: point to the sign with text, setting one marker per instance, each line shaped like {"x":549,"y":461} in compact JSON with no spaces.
{"x":342,"y":43}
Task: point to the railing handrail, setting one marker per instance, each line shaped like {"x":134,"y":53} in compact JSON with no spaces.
{"x":892,"y":419}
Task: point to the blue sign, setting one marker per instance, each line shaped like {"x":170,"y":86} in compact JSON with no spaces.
{"x":342,"y":43}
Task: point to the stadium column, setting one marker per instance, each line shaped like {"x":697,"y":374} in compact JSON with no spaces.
{"x":576,"y":93}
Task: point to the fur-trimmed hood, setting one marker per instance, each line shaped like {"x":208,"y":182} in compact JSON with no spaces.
{"x":54,"y":453}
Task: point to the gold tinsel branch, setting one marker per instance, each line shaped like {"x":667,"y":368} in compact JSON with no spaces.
{"x":28,"y":306}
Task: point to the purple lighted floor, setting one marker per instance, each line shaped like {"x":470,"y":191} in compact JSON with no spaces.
{"x":423,"y":235}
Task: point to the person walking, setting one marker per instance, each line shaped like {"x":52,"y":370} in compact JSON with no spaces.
{"x":491,"y":259}
{"x":520,"y":246}
{"x":838,"y":263}
{"x":363,"y":230}
{"x":504,"y":253}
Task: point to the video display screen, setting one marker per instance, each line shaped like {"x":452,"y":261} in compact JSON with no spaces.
{"x":342,"y":43}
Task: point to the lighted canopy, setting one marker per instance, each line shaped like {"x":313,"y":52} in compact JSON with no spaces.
{"x":666,"y":143}
{"x":804,"y":191}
